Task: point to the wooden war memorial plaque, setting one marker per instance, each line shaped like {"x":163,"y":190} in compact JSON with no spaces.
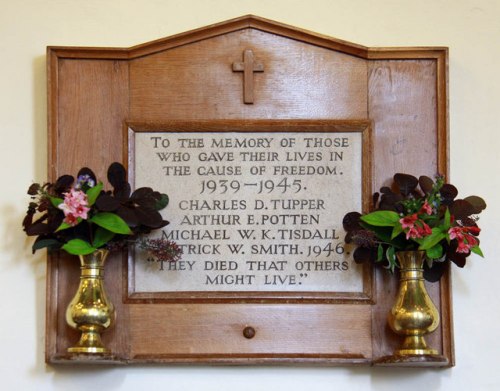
{"x":264,"y":136}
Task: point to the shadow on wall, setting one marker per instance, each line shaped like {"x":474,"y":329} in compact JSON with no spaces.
{"x":40,"y":118}
{"x":16,"y":247}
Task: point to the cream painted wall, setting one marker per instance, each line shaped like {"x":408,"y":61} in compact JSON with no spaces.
{"x":470,"y":28}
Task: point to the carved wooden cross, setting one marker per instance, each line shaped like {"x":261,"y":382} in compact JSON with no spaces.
{"x":248,"y":67}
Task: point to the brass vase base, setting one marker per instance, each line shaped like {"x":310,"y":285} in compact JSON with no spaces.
{"x":414,"y":345}
{"x":415,"y":352}
{"x":90,"y":342}
{"x":419,"y":360}
{"x":84,"y":349}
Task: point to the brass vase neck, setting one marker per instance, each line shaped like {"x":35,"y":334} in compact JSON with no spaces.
{"x":411,"y":264}
{"x":92,"y":265}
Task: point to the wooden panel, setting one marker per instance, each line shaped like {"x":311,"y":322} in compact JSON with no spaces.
{"x":293,"y":330}
{"x":91,"y":98}
{"x":401,"y":91}
{"x":196,"y":81}
{"x":403,"y":106}
{"x":93,"y":101}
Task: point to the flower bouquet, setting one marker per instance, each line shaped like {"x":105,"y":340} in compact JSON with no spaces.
{"x":81,"y":218}
{"x":416,"y":220}
{"x":417,"y":214}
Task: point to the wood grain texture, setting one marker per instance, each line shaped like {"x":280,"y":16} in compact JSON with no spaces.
{"x":93,"y":92}
{"x":248,"y":66}
{"x":293,"y":330}
{"x":87,"y":102}
{"x":196,"y":81}
{"x":404,"y":99}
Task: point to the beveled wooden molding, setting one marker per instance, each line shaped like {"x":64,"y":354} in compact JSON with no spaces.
{"x":241,"y":23}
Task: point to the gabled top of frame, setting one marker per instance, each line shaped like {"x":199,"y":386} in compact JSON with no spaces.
{"x":249,"y":22}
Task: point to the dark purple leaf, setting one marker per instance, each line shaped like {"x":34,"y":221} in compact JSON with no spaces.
{"x":54,"y":220}
{"x":107,"y":203}
{"x":477,"y":203}
{"x":28,"y":219}
{"x":390,"y":201}
{"x":117,"y":175}
{"x":38,"y":228}
{"x":141,"y":193}
{"x":149,"y":217}
{"x":128,"y":215}
{"x":459,"y":259}
{"x":434,"y":273}
{"x":406,"y":183}
{"x":122,"y":192}
{"x":461,"y":209}
{"x":145,"y":197}
{"x":426,"y":184}
{"x":63,"y":183}
{"x":33,"y":189}
{"x":351,"y":221}
{"x":448,"y":192}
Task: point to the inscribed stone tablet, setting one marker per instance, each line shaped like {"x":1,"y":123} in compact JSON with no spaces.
{"x":253,"y":211}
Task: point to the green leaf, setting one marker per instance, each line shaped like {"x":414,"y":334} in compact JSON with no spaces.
{"x":390,"y":254}
{"x":477,"y":250}
{"x":111,"y":222}
{"x":384,"y":235}
{"x":382,"y":218}
{"x":447,"y":220}
{"x":102,"y":236}
{"x":162,"y":202}
{"x":78,"y":247}
{"x":93,"y":193}
{"x":435,"y":252}
{"x":431,"y":240}
{"x":396,"y":231}
{"x":56,"y":201}
{"x":380,"y":253}
{"x":64,"y":225}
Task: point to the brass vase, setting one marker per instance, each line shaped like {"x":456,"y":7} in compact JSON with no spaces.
{"x":90,"y":311}
{"x":414,"y":314}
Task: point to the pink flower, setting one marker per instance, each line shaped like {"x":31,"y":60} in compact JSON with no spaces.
{"x":74,"y":206}
{"x":465,"y":237}
{"x":425,"y":230}
{"x":408,"y":221}
{"x":412,"y":233}
{"x":414,"y":228}
{"x":426,"y":208}
{"x":456,"y":233}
